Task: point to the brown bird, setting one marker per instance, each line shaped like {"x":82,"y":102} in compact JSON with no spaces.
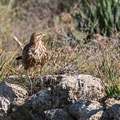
{"x":34,"y":53}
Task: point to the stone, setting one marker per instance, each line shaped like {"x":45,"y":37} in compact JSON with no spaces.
{"x":58,"y":114}
{"x":68,"y":90}
{"x":40,"y":101}
{"x":86,"y":110}
{"x":10,"y":94}
{"x":113,"y":108}
{"x":66,"y":97}
{"x":72,"y":88}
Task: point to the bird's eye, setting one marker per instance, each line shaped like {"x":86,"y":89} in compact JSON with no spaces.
{"x":39,"y":34}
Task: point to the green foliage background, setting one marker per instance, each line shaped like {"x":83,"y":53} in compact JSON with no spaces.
{"x":101,"y":17}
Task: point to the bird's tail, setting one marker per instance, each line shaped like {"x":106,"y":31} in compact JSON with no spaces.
{"x":19,"y":58}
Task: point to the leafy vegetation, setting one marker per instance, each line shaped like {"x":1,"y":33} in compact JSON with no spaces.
{"x":108,"y":70}
{"x":100,"y":17}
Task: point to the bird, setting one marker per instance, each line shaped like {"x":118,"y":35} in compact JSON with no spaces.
{"x":34,"y":53}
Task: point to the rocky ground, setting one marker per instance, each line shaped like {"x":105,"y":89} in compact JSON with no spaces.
{"x":77,"y":97}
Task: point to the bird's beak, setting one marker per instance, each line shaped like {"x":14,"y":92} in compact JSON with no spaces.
{"x":44,"y":35}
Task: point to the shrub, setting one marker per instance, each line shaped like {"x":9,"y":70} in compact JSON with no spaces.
{"x":102,"y":16}
{"x":108,"y":68}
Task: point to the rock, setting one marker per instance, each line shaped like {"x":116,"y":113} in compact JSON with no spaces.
{"x":113,"y":109}
{"x":58,"y":114}
{"x":34,"y":107}
{"x":63,"y":100}
{"x":72,"y":88}
{"x":69,"y":90}
{"x":86,"y":110}
{"x":40,"y":101}
{"x":10,"y":94}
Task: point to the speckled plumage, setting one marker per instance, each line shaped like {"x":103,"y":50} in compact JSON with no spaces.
{"x":34,"y":53}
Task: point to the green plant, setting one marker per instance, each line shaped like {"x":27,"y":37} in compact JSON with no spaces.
{"x":108,"y":71}
{"x":103,"y":16}
{"x":111,"y":77}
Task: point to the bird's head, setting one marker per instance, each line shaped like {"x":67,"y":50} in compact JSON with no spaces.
{"x":37,"y":36}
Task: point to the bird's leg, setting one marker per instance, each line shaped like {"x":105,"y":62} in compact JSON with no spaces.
{"x":29,"y":81}
{"x":39,"y":74}
{"x":32,"y":74}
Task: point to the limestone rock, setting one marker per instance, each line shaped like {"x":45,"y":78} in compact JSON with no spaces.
{"x":40,"y":101}
{"x":10,"y":94}
{"x":113,"y":108}
{"x":71,"y":97}
{"x":58,"y":114}
{"x":86,"y":110}
{"x":69,"y":90}
{"x":72,"y":88}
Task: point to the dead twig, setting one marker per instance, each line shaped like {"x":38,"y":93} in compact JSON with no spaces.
{"x":17,"y":40}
